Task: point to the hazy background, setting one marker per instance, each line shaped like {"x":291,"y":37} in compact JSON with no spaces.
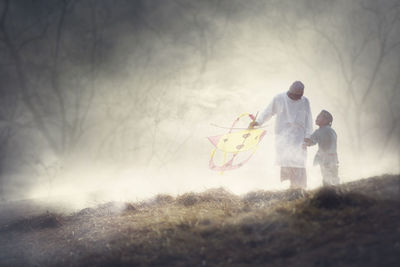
{"x":115,"y":99}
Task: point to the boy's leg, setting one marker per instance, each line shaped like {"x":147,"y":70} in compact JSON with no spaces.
{"x":329,"y":174}
{"x":335,"y":174}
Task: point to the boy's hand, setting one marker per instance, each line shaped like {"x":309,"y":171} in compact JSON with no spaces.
{"x":252,"y":124}
{"x":306,"y":143}
{"x":304,"y":146}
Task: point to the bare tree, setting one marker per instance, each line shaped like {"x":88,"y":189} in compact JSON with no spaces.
{"x":152,"y":97}
{"x":13,"y":49}
{"x":59,"y":106}
{"x":53,"y":80}
{"x":361,"y":53}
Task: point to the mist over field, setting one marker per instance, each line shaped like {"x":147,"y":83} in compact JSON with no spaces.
{"x":114,"y":100}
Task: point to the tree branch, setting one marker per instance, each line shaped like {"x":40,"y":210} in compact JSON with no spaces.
{"x":34,"y":38}
{"x":4,"y":14}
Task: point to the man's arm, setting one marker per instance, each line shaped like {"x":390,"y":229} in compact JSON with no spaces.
{"x":309,"y":120}
{"x":268,"y":112}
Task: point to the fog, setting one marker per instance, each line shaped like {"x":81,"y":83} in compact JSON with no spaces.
{"x":114,"y":100}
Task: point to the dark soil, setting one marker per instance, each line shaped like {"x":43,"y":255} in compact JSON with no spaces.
{"x":354,"y":224}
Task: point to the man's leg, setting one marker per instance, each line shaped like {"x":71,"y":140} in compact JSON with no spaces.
{"x":297,"y":177}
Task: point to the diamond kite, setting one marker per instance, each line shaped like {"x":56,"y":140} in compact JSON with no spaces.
{"x":233,"y":143}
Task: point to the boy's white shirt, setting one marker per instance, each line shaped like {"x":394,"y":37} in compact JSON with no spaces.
{"x":293,"y":123}
{"x":326,"y":139}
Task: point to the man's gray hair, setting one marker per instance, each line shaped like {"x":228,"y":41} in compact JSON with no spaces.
{"x":297,"y":85}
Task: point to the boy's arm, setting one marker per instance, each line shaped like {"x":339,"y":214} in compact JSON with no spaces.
{"x":312,"y":140}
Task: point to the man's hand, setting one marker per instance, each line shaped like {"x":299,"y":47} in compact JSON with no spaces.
{"x":253,"y":124}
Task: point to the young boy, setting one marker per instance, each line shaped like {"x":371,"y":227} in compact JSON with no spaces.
{"x":326,"y":155}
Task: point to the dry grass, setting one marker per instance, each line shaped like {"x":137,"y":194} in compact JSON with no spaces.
{"x":355,"y":224}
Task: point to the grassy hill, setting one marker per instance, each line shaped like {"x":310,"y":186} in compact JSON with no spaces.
{"x":354,"y":224}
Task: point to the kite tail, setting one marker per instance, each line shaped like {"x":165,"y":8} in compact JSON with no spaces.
{"x":223,"y":163}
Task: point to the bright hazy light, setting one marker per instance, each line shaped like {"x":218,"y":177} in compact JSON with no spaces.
{"x":162,"y":87}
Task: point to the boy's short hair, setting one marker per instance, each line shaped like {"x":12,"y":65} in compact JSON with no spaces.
{"x":327,"y":116}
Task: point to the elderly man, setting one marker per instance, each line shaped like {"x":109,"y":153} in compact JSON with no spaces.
{"x":293,"y":124}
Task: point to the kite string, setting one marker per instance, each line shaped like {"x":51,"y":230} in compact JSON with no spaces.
{"x":235,"y":121}
{"x":252,"y":117}
{"x":215,"y":125}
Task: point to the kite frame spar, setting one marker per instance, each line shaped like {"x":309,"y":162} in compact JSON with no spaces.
{"x":250,"y":140}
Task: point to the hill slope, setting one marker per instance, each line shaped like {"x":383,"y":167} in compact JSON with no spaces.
{"x":354,"y":224}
